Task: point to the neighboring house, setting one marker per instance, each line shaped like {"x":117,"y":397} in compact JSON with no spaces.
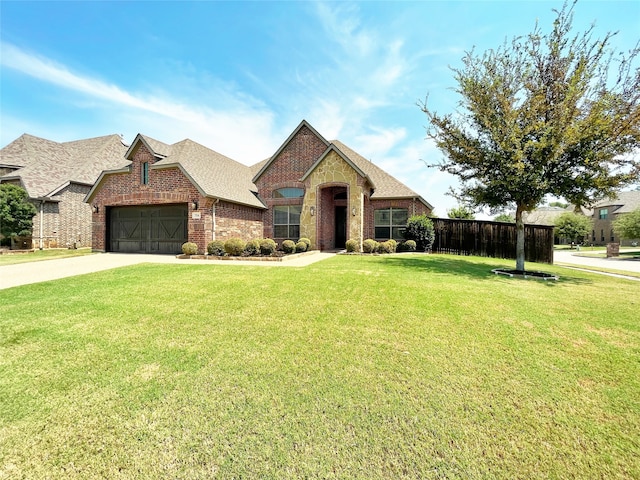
{"x":57,"y":177}
{"x":549,"y":216}
{"x":164,"y":195}
{"x":606,"y":211}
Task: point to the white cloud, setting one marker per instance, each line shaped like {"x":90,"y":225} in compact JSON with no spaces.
{"x":160,"y":115}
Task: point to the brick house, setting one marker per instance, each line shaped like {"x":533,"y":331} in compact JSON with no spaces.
{"x":57,"y":177}
{"x":163,"y":195}
{"x":606,"y":211}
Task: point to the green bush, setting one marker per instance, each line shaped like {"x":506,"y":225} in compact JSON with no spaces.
{"x":216,"y":248}
{"x":369,"y":246}
{"x":301,"y":247}
{"x":268,"y":246}
{"x":252,"y":247}
{"x":420,"y":230}
{"x":189,"y":248}
{"x":352,"y":246}
{"x":407,"y":246}
{"x":394,"y":245}
{"x":306,"y":241}
{"x":386,"y":247}
{"x":234,"y":246}
{"x":288,"y":246}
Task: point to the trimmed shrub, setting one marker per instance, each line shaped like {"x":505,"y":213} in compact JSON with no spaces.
{"x":420,"y":230}
{"x":189,"y":248}
{"x":394,"y":245}
{"x":288,"y":246}
{"x":306,"y":241}
{"x":352,"y":246}
{"x":268,"y":246}
{"x":386,"y":247}
{"x":369,"y":246}
{"x":407,"y":246}
{"x":234,"y":246}
{"x":301,"y":247}
{"x":252,"y":247}
{"x":216,"y":248}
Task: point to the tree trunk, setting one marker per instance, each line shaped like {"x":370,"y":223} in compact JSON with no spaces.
{"x":519,"y":239}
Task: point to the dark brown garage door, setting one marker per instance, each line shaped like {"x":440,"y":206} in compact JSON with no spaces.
{"x":148,"y":229}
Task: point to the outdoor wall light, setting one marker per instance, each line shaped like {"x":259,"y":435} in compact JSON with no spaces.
{"x":96,"y":209}
{"x":313,"y":210}
{"x":354,"y":211}
{"x":194,"y":204}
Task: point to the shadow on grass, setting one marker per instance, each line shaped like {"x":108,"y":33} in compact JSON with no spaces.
{"x":462,"y":266}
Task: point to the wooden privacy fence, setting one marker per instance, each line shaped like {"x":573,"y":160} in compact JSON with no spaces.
{"x":491,"y":239}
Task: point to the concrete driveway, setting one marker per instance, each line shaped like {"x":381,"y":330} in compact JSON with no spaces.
{"x":34,"y":272}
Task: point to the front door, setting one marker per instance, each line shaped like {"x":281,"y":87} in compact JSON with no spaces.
{"x":341,"y":227}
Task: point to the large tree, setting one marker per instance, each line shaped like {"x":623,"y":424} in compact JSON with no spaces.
{"x":16,"y":212}
{"x":547,"y":113}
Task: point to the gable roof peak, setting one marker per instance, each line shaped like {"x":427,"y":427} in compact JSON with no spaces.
{"x":301,"y":125}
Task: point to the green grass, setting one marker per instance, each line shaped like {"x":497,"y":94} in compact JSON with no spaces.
{"x":603,"y":254}
{"x":392,"y":367}
{"x":37,"y":255}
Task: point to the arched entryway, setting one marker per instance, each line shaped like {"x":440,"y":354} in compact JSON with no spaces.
{"x":333,"y":221}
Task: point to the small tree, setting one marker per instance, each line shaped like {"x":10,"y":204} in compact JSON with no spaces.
{"x":627,"y":225}
{"x":420,"y":230}
{"x":573,"y":227}
{"x":542,"y":115}
{"x":16,"y":212}
{"x":462,"y":212}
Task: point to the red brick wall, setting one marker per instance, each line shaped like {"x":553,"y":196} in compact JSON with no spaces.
{"x":233,"y":220}
{"x":415,"y":207}
{"x":171,"y":186}
{"x":292,"y":163}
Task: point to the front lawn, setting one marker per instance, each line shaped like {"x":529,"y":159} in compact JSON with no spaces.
{"x":403,"y":366}
{"x":37,"y":255}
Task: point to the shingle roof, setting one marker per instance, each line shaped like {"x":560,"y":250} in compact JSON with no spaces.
{"x":628,"y":201}
{"x":218,"y":176}
{"x":385,"y":185}
{"x":47,"y":166}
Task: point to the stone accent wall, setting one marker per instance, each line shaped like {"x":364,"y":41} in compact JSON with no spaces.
{"x":332,"y":172}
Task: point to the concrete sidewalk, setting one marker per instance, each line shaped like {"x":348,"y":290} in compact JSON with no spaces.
{"x":42,"y":271}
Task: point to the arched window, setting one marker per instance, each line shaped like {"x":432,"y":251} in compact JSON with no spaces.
{"x":289,"y":192}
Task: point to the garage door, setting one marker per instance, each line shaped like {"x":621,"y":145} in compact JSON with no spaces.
{"x":148,"y":229}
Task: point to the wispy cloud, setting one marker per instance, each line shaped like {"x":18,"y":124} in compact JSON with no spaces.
{"x":222,"y":130}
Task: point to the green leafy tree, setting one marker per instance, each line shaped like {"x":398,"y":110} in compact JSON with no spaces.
{"x":461,"y":212}
{"x":542,"y":114}
{"x":573,"y":227}
{"x":627,"y":225}
{"x":420,"y":230}
{"x":505,"y":217}
{"x":16,"y":212}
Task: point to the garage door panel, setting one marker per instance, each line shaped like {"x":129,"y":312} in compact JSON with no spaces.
{"x":148,"y":229}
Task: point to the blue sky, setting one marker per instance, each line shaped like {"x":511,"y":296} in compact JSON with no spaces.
{"x":238,"y":77}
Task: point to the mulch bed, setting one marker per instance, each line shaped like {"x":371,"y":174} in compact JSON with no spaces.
{"x":525,"y":274}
